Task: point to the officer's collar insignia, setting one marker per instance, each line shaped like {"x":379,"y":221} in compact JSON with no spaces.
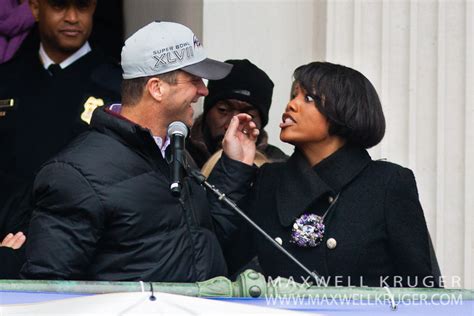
{"x":89,"y":106}
{"x":5,"y":106}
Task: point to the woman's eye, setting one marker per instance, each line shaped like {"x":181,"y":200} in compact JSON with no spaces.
{"x":308,"y":98}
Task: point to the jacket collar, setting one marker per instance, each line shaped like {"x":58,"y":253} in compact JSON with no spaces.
{"x":303,"y":184}
{"x":131,"y":134}
{"x":112,"y":124}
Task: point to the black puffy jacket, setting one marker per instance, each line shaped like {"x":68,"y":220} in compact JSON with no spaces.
{"x":103,"y":211}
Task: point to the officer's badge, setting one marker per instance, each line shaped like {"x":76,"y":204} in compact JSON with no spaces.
{"x":5,"y":106}
{"x":89,"y":106}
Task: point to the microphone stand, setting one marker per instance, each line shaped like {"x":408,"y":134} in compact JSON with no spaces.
{"x":201,"y":180}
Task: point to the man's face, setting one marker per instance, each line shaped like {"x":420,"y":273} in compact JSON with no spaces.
{"x":64,"y":25}
{"x":219,"y":116}
{"x":182,"y":94}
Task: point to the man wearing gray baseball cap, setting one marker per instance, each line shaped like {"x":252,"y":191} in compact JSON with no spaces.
{"x":103,"y":206}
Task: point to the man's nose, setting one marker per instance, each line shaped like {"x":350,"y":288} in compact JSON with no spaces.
{"x":71,"y":15}
{"x":202,"y":89}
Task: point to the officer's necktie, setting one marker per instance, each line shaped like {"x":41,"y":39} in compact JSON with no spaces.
{"x":54,"y":69}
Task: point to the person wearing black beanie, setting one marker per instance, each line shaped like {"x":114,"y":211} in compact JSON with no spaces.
{"x":247,"y":89}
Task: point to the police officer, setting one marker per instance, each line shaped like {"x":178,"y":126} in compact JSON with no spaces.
{"x":46,"y":98}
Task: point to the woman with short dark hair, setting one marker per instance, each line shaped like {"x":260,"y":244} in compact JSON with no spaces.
{"x":354,"y":220}
{"x":347,"y":99}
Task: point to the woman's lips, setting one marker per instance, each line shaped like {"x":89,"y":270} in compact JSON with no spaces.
{"x":287,"y":121}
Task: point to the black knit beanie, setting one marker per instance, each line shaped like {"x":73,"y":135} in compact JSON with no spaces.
{"x":246,"y":82}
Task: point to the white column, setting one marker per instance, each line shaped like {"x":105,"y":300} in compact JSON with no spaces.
{"x":419,"y":56}
{"x":469,"y":153}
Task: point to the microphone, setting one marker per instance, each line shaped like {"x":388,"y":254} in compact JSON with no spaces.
{"x":177,"y":133}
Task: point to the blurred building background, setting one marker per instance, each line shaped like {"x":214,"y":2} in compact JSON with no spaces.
{"x":418,"y":54}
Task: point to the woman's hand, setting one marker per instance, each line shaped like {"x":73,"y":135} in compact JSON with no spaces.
{"x":239,"y":139}
{"x":13,"y":241}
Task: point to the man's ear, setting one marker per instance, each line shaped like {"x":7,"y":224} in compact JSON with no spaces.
{"x":156,"y":88}
{"x":34,"y":6}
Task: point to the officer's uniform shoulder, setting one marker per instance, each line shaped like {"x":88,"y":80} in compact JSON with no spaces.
{"x":4,"y":67}
{"x":108,"y":73}
{"x":109,"y":76}
{"x":19,"y":60}
{"x":15,"y":67}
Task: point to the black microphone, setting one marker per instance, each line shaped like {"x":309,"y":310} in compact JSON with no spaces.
{"x":177,"y":133}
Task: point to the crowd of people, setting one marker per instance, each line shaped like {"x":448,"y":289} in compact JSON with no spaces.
{"x":86,"y":164}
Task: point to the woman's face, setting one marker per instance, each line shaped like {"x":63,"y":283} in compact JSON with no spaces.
{"x":302,"y":123}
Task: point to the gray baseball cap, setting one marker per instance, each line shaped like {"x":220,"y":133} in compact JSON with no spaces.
{"x":161,"y":47}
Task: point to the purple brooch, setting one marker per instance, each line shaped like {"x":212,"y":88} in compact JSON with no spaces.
{"x":308,"y":230}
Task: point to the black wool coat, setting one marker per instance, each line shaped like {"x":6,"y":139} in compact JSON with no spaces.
{"x":376,"y":228}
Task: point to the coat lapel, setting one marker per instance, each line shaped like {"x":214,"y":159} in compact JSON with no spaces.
{"x":135,"y":136}
{"x":300,"y":186}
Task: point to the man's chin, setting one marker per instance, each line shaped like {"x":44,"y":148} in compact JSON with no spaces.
{"x":71,"y":45}
{"x":189,"y":122}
